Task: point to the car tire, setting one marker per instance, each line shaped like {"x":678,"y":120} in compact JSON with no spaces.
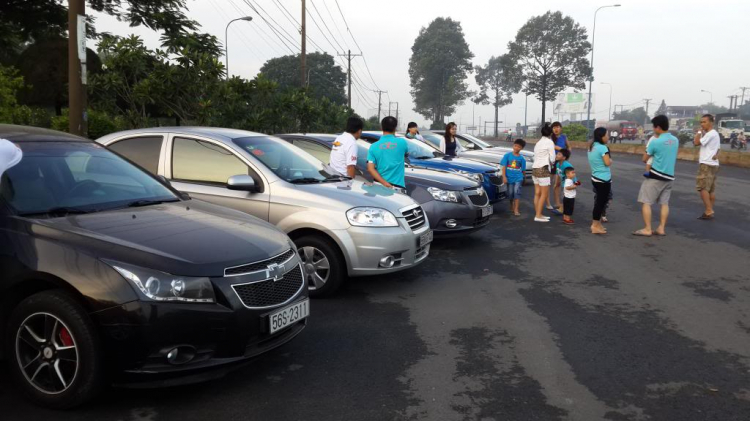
{"x":318,"y":253}
{"x":68,"y":368}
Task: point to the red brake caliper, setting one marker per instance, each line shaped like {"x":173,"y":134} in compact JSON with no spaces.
{"x":65,"y":337}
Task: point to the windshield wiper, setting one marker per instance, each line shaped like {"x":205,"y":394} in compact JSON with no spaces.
{"x":147,"y":202}
{"x":61,"y":211}
{"x":421,"y":157}
{"x":306,"y":180}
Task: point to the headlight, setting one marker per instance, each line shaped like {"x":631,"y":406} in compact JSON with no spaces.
{"x":371,"y":217}
{"x":474,"y":176}
{"x":160,"y":286}
{"x":443,"y":195}
{"x":529,"y":158}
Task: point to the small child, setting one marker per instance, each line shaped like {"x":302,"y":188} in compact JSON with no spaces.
{"x":561,"y":163}
{"x":514,"y":170}
{"x":569,"y":193}
{"x":650,"y":161}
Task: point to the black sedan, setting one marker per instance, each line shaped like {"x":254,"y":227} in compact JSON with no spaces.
{"x":454,"y":204}
{"x":110,"y":276}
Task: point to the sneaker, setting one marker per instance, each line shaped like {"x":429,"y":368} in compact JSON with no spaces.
{"x":647,"y":175}
{"x":568,"y":221}
{"x":556,"y":212}
{"x":541,"y":219}
{"x":549,"y":208}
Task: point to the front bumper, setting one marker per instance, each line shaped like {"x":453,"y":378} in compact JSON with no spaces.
{"x":138,"y":335}
{"x":494,"y":187}
{"x":466,"y":216}
{"x":365,"y":247}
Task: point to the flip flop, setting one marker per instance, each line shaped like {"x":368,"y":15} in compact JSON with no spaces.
{"x":660,"y":234}
{"x":640,"y":233}
{"x":706,"y":217}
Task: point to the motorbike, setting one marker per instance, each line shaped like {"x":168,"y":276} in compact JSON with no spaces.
{"x":734,"y":141}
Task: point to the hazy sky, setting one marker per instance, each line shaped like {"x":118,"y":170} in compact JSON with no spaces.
{"x":658,"y":49}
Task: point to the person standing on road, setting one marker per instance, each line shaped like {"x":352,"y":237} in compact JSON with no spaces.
{"x":385,"y":160}
{"x":640,"y":134}
{"x":514,"y":170}
{"x":343,"y":157}
{"x":600,"y":161}
{"x":448,"y":144}
{"x":544,"y":160}
{"x":708,"y":166}
{"x":10,"y":155}
{"x":561,"y":163}
{"x":412,"y":131}
{"x":561,"y":142}
{"x":658,"y":187}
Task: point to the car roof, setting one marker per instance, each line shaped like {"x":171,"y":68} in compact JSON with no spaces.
{"x":16,"y":133}
{"x":194,"y":130}
{"x":326,"y":137}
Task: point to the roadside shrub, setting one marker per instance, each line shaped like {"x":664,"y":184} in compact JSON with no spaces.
{"x":575,"y":132}
{"x":31,"y":116}
{"x":684,"y":138}
{"x":100,"y":123}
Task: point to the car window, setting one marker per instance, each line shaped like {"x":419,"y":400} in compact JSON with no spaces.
{"x":363,"y":148}
{"x":433,"y":139}
{"x":144,"y":151}
{"x":466,"y":144}
{"x":287,"y":161}
{"x":204,"y":162}
{"x":315,"y":149}
{"x":81,"y":175}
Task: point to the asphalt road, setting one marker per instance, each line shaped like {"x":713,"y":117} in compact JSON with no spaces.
{"x":521,"y":321}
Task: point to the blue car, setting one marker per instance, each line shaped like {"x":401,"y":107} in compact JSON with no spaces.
{"x":422,"y":155}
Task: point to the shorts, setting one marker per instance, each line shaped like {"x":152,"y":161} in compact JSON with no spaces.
{"x":541,"y":176}
{"x":655,"y":191}
{"x":706,"y":179}
{"x":514,"y":190}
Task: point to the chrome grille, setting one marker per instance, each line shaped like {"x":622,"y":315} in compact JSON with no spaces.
{"x":414,"y":217}
{"x":271,"y":292}
{"x":258,"y":266}
{"x":421,"y":253}
{"x":479,"y":199}
{"x":498,"y":181}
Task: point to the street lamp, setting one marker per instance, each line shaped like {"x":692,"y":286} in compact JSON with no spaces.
{"x":710,"y":93}
{"x":226,"y":40}
{"x":591,"y":79}
{"x":609,"y":118}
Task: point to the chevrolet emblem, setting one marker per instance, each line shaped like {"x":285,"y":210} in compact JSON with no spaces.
{"x":275,"y":271}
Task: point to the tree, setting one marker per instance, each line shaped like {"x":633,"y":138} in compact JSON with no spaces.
{"x":662,"y":110}
{"x":714,"y":109}
{"x":498,"y":80}
{"x":551,"y":50}
{"x":326,"y":80}
{"x":438,"y":68}
{"x":10,"y":84}
{"x":638,"y":115}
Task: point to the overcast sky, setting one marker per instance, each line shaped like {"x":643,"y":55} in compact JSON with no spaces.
{"x":663,"y":49}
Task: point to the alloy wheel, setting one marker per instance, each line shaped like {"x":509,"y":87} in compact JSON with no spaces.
{"x":47,"y":353}
{"x":317,"y":267}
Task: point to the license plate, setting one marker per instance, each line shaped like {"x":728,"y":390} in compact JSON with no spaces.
{"x":289,"y":315}
{"x":425,"y":239}
{"x":486,"y":211}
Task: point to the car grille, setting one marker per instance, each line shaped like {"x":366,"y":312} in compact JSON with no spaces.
{"x":421,"y":253}
{"x":498,"y":181}
{"x":270,"y":293}
{"x":258,"y":266}
{"x":414,"y":217}
{"x":479,"y":199}
{"x":481,"y":221}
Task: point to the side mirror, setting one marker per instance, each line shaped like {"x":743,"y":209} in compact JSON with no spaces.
{"x":241,"y":183}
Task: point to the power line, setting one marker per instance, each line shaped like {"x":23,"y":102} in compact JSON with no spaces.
{"x":258,"y":29}
{"x":357,"y":44}
{"x":288,"y":15}
{"x":276,"y":32}
{"x":325,"y":4}
{"x":326,"y":26}
{"x":242,"y":34}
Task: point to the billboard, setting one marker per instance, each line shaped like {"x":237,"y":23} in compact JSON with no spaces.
{"x":573,"y":103}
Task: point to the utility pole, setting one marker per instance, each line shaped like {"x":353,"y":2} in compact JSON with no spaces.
{"x":303,"y":54}
{"x":648,"y":100}
{"x":389,"y":108}
{"x":380,"y":93}
{"x":77,"y":120}
{"x":349,"y":56}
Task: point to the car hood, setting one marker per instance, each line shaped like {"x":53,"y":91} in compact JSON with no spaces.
{"x":353,"y":193}
{"x":502,"y":150}
{"x":441,"y":179}
{"x":455,"y":164}
{"x":188,"y":238}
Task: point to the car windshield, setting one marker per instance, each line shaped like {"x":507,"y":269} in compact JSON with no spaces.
{"x":733,"y":124}
{"x":287,"y":161}
{"x":433,"y":138}
{"x":477,"y":141}
{"x":628,"y":126}
{"x":420,"y":150}
{"x":59,"y":178}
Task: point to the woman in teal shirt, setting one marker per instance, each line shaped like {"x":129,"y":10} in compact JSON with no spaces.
{"x":601,"y":176}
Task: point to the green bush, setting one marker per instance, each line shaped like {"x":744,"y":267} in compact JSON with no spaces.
{"x":684,"y":138}
{"x":575,"y":132}
{"x":31,"y":116}
{"x":100,"y":123}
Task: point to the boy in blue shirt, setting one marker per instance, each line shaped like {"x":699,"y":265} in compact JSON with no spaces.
{"x":385,"y":160}
{"x":514,"y":170}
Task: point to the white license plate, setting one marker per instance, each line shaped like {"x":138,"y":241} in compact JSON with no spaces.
{"x":289,"y":315}
{"x":425,"y":239}
{"x":486,"y":211}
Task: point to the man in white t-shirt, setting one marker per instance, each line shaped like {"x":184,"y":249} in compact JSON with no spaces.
{"x":708,"y":167}
{"x":344,"y":152}
{"x":10,"y":155}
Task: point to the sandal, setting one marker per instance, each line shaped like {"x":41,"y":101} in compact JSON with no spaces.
{"x":706,"y":217}
{"x":642,"y":233}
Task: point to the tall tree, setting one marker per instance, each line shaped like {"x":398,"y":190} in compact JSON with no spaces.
{"x":498,"y":80}
{"x":662,"y":110}
{"x":638,"y":115}
{"x":438,"y":68}
{"x":326,"y":80}
{"x":551,"y":50}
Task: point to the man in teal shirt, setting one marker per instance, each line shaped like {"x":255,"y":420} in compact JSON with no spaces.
{"x":657,"y":188}
{"x":385,"y":160}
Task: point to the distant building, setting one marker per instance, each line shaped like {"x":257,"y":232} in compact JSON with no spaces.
{"x":676,"y":111}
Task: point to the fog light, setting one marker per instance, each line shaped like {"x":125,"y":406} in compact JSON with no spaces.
{"x":387,"y":262}
{"x":172,"y":355}
{"x":180,"y":355}
{"x":451,"y":223}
